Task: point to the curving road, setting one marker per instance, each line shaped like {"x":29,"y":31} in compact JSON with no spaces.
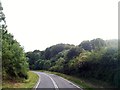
{"x":54,"y":82}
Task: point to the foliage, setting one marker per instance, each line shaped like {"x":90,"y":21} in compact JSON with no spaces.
{"x":58,"y":65}
{"x":96,"y":59}
{"x":94,"y":44}
{"x":86,"y":45}
{"x":14,"y":61}
{"x":27,"y":84}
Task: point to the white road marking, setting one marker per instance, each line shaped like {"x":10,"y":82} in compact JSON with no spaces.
{"x":54,"y":83}
{"x":38,"y":82}
{"x":71,"y":83}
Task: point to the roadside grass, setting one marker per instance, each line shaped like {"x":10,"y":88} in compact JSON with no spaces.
{"x":86,"y":84}
{"x":29,"y":83}
{"x":75,"y":80}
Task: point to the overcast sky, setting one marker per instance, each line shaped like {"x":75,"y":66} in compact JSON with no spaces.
{"x":38,"y":24}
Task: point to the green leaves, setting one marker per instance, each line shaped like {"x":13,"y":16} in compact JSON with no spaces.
{"x":91,"y":59}
{"x":14,"y":61}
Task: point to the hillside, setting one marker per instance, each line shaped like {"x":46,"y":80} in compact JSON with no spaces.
{"x":95,"y":58}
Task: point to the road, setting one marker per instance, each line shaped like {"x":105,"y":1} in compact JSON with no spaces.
{"x":54,"y":82}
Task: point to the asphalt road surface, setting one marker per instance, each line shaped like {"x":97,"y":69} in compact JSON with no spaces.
{"x":54,"y":82}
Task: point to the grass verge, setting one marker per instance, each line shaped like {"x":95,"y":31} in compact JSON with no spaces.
{"x":86,"y":84}
{"x":73,"y":79}
{"x":29,"y":83}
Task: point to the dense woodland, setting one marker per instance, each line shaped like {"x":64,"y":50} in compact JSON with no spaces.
{"x":14,"y":61}
{"x":96,"y":59}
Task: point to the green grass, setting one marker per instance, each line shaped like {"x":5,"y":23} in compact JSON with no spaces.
{"x":73,"y":79}
{"x":29,"y":83}
{"x":86,"y":84}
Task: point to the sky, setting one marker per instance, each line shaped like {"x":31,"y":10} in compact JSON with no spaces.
{"x":38,"y":24}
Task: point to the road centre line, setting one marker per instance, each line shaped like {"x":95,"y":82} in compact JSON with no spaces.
{"x":54,"y":83}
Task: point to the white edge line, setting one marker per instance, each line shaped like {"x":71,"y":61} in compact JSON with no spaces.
{"x":71,"y":82}
{"x":38,"y":82}
{"x":54,"y":83}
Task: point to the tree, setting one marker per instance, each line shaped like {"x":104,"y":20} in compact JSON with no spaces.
{"x":39,"y":64}
{"x":97,"y":43}
{"x":91,"y":59}
{"x":59,"y":65}
{"x":2,"y":18}
{"x":73,"y":52}
{"x":47,"y":64}
{"x":86,"y":45}
{"x":33,"y":57}
{"x":14,"y":61}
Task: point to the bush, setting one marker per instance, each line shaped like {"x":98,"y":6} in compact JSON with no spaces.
{"x":14,"y":61}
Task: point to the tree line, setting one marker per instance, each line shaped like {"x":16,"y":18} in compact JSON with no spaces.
{"x":12,"y":55}
{"x":95,"y":58}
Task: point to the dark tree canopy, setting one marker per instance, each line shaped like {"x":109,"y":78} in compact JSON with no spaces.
{"x":96,"y":59}
{"x":86,"y":45}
